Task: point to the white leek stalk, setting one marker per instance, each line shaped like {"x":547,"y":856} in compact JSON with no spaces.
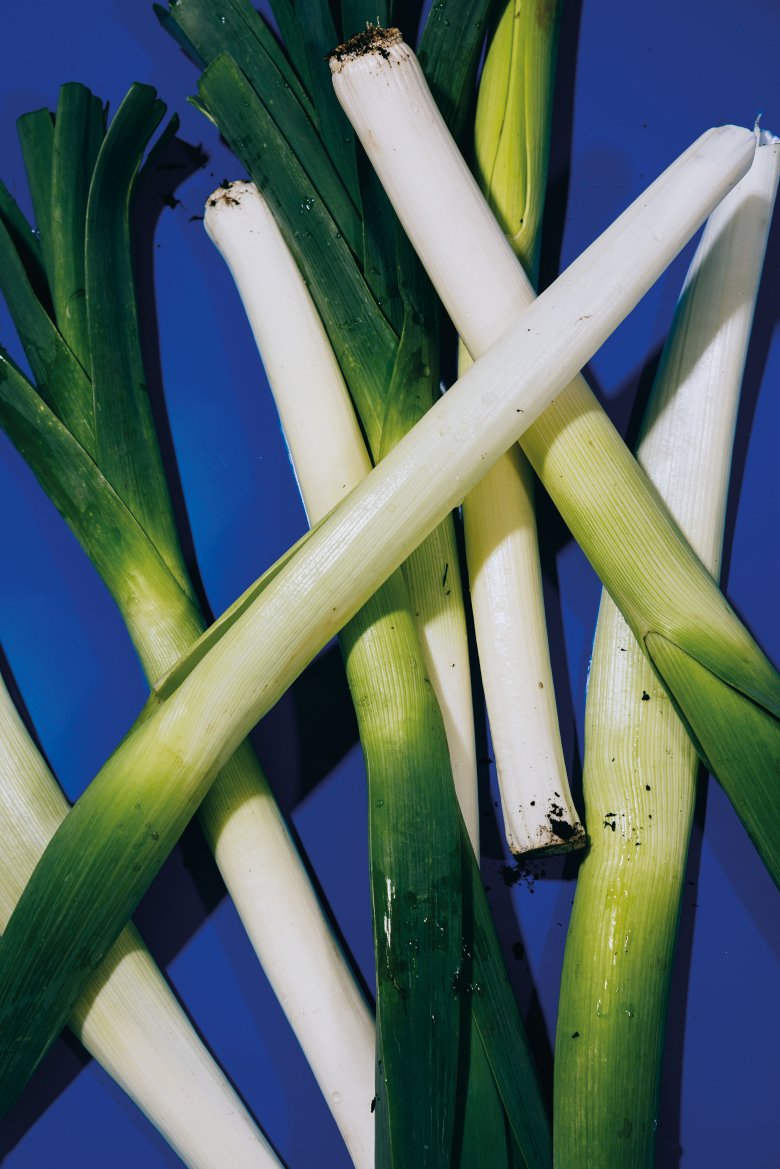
{"x":326,"y":446}
{"x":511,"y":146}
{"x":127,"y":1017}
{"x":640,"y":766}
{"x":276,"y":901}
{"x":297,"y":355}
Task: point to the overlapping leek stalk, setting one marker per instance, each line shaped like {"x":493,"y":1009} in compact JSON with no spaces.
{"x":511,"y":145}
{"x":640,"y":766}
{"x":91,"y":442}
{"x":138,"y":805}
{"x":720,"y":682}
{"x":127,"y":1017}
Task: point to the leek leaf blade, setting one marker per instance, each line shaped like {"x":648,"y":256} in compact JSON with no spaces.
{"x":745,"y":764}
{"x":292,"y":38}
{"x":24,"y":239}
{"x":449,"y":52}
{"x":109,"y":533}
{"x":269,"y":76}
{"x":319,"y":37}
{"x":363,"y":341}
{"x":36,"y":138}
{"x":127,"y":449}
{"x":62,"y":382}
{"x":78,"y":132}
{"x":415,"y":878}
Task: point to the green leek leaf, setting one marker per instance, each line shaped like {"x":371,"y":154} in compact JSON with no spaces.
{"x":62,"y":382}
{"x":746,"y":764}
{"x":320,"y":37}
{"x":248,"y":41}
{"x":24,"y":239}
{"x":363,"y":341}
{"x":127,"y":450}
{"x":292,"y":38}
{"x":79,"y":127}
{"x":120,"y":549}
{"x":449,"y":52}
{"x":415,"y":879}
{"x":36,"y":137}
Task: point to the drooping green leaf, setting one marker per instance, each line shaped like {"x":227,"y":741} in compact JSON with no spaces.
{"x":169,"y":23}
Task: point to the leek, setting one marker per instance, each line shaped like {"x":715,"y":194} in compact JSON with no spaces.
{"x":414,"y":837}
{"x":511,"y":139}
{"x":328,"y":452}
{"x":127,"y":1017}
{"x":400,"y":728}
{"x":396,"y":721}
{"x":717,"y":676}
{"x":640,"y":766}
{"x":145,"y":794}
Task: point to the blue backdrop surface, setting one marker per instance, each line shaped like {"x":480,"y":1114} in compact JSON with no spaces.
{"x":637,"y":84}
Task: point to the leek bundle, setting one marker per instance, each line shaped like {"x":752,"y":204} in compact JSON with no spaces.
{"x":451,"y":1079}
{"x":237,"y":670}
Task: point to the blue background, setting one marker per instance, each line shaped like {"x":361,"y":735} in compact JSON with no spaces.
{"x":637,"y":84}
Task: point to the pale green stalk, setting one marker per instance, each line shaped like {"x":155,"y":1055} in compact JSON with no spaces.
{"x":640,"y":766}
{"x":138,"y":805}
{"x":127,"y":1017}
{"x":511,"y":145}
{"x":329,"y":454}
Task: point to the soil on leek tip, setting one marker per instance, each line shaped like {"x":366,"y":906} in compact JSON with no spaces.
{"x":373,"y":40}
{"x":562,"y":828}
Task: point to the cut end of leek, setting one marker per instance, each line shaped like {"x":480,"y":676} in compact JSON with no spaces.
{"x":557,"y":831}
{"x":374,"y":40}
